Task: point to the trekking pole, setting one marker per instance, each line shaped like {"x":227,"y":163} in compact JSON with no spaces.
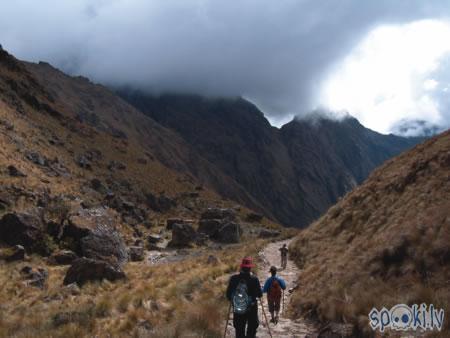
{"x":226,"y":323}
{"x":265,"y":317}
{"x":283,"y":303}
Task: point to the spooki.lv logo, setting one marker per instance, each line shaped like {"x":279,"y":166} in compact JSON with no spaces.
{"x":402,"y":317}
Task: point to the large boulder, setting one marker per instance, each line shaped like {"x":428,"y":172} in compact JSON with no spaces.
{"x":183,"y":235}
{"x":104,"y":243}
{"x":63,"y":257}
{"x":210,"y":227}
{"x":17,"y":253}
{"x":219,"y":213}
{"x":229,"y":233}
{"x":24,"y":228}
{"x":83,"y":222}
{"x":136,"y":253}
{"x":83,"y":270}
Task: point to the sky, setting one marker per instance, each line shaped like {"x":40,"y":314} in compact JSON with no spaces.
{"x":387,"y":62}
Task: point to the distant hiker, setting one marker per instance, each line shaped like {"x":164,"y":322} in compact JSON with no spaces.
{"x":284,"y":252}
{"x":243,"y":290}
{"x":274,"y":287}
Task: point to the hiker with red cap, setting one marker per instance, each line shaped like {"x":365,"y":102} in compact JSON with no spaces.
{"x":274,"y":287}
{"x":243,"y":290}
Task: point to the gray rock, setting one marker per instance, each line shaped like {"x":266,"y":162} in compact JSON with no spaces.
{"x":154,"y":238}
{"x":104,"y":243}
{"x":83,"y":270}
{"x":229,"y":233}
{"x":136,"y":253}
{"x":36,"y":158}
{"x":63,"y":257}
{"x":183,"y":235}
{"x":35,"y":277}
{"x":14,"y":172}
{"x":171,"y":221}
{"x":219,"y":213}
{"x":210,"y":227}
{"x":25,"y":229}
{"x":18,"y":254}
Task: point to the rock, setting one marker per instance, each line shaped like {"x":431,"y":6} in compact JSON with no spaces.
{"x":115,"y":165}
{"x":17,"y":254}
{"x":97,"y":185}
{"x":35,"y":277}
{"x":182,"y":235}
{"x":254,"y":217}
{"x":63,"y":257}
{"x":83,"y":162}
{"x":36,"y":158}
{"x":162,"y":203}
{"x":219,"y":213}
{"x":229,"y":233}
{"x":86,"y":220}
{"x":266,"y":233}
{"x":154,"y":238}
{"x":104,"y":243}
{"x":23,"y":228}
{"x":136,"y":253}
{"x":212,"y":260}
{"x":171,"y":221}
{"x":209,"y":227}
{"x":14,"y":172}
{"x":83,"y":270}
{"x":73,"y":289}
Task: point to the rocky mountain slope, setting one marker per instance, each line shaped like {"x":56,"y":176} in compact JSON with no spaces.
{"x":109,"y":222}
{"x":295,"y":173}
{"x":385,"y":243}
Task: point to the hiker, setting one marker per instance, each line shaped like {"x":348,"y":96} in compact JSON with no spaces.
{"x":274,"y":287}
{"x":284,"y":251}
{"x":243,"y":290}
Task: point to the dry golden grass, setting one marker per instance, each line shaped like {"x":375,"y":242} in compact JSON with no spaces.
{"x":172,"y":300}
{"x":385,"y":243}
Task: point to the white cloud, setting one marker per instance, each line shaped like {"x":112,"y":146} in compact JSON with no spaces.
{"x":388,"y":77}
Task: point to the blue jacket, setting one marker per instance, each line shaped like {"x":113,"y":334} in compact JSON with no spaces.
{"x":268,"y":283}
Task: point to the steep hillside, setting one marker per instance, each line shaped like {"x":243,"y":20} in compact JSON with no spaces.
{"x":296,"y":172}
{"x":105,"y":228}
{"x":385,"y":243}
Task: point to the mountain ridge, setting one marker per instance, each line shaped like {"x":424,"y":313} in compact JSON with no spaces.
{"x":269,"y":162}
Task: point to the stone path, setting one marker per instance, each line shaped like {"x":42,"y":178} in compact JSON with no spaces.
{"x":286,"y":327}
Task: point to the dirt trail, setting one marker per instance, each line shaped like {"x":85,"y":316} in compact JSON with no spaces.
{"x":286,"y":327}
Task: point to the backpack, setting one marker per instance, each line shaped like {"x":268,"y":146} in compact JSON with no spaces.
{"x":241,"y":299}
{"x":274,"y":293}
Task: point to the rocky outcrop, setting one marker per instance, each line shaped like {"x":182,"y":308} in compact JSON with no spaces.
{"x":84,"y":270}
{"x":219,"y":213}
{"x":183,"y":235}
{"x":136,"y":253}
{"x":229,"y":233}
{"x":17,"y":253}
{"x":63,"y":257}
{"x":23,"y":228}
{"x":104,"y":243}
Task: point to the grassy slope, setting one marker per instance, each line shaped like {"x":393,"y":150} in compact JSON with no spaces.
{"x":386,"y":242}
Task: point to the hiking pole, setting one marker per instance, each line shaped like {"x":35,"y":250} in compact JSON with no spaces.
{"x":265,"y":317}
{"x":282,"y":311}
{"x":226,"y":323}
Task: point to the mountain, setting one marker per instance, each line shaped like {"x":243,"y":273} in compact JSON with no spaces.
{"x":385,"y":243}
{"x":294,"y":173}
{"x":110,"y":224}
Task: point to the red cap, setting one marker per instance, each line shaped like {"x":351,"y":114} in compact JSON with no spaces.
{"x":247,"y":262}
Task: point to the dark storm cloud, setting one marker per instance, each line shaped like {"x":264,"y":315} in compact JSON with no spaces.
{"x":273,"y":52}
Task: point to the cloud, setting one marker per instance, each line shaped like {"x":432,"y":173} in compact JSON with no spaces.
{"x":389,"y":78}
{"x":276,"y":53}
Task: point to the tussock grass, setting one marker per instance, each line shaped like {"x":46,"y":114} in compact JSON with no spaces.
{"x":385,"y":243}
{"x":168,"y":300}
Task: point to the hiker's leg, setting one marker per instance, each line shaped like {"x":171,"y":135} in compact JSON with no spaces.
{"x":271,"y":310}
{"x":253,"y":322}
{"x":277,"y":310}
{"x":239,"y":325}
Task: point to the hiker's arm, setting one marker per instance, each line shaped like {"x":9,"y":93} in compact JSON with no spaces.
{"x":266,"y":286}
{"x":282,"y":284}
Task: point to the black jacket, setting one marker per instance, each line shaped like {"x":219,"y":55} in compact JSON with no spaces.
{"x":253,"y":286}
